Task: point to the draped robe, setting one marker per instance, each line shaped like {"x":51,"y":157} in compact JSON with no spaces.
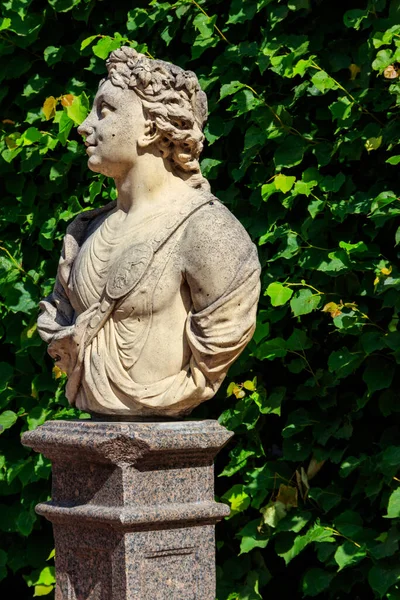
{"x":102,"y":372}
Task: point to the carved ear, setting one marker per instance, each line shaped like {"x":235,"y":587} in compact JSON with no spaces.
{"x":150,"y":134}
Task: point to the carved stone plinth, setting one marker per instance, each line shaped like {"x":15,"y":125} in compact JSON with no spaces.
{"x":133,"y":508}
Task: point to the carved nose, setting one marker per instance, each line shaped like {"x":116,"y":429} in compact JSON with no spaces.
{"x":85,"y":129}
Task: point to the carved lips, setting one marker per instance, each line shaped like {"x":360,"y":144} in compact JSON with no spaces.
{"x":89,"y":146}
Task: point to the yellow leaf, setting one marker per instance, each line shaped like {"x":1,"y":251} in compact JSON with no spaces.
{"x":288,"y":496}
{"x":239,"y":393}
{"x":354,"y":71}
{"x":330,"y":307}
{"x":49,"y":107}
{"x":249,"y":385}
{"x":30,"y":331}
{"x":314,"y":467}
{"x":11,"y":141}
{"x":273,"y":513}
{"x":376,"y":280}
{"x":304,"y":481}
{"x":67,"y":99}
{"x":333,"y":309}
{"x":34,"y":391}
{"x":43,"y":590}
{"x":386,"y":271}
{"x":390,"y":72}
{"x":373,"y":143}
{"x":230,"y":389}
{"x":57,"y":372}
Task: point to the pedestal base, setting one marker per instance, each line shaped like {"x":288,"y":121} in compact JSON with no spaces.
{"x":133,"y":508}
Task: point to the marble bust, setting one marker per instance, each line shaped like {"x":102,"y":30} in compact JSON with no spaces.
{"x":156,"y":293}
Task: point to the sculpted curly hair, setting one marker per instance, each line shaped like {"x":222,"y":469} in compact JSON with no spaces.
{"x":173,"y":100}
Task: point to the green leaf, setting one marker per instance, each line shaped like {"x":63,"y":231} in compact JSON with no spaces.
{"x":238,"y":460}
{"x":393,"y":160}
{"x":294,"y":521}
{"x":46,"y":576}
{"x":78,"y":110}
{"x":230,"y":88}
{"x":271,"y":349}
{"x":63,"y":5}
{"x":237,"y":498}
{"x":355,"y":17}
{"x":290,"y":153}
{"x":30,"y":136}
{"x":5,"y":23}
{"x":106,"y":45}
{"x":343,"y":363}
{"x":204,"y":24}
{"x":270,"y":403}
{"x":299,"y":4}
{"x":240,"y":11}
{"x":316,"y":581}
{"x":7,"y":420}
{"x":297,"y":421}
{"x":350,"y":464}
{"x":284,"y":183}
{"x":299,"y":341}
{"x":378,"y":374}
{"x":86,"y":42}
{"x":25,"y":521}
{"x":316,"y":534}
{"x":341,"y":109}
{"x":393,"y":510}
{"x":381,"y":578}
{"x":349,"y":554}
{"x":383,"y":59}
{"x":323,"y":82}
{"x":278,"y":293}
{"x":332,"y":184}
{"x":64,"y":127}
{"x":53,"y":55}
{"x":36,"y":417}
{"x":6,"y":373}
{"x":304,"y":302}
{"x":252,"y":537}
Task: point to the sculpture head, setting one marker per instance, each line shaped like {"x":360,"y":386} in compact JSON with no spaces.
{"x":146,"y":105}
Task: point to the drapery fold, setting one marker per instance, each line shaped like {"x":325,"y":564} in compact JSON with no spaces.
{"x":99,"y":380}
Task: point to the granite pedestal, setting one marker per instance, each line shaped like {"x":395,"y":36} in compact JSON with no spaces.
{"x":132,"y":507}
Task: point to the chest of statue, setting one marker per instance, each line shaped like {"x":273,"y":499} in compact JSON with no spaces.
{"x":120,"y":262}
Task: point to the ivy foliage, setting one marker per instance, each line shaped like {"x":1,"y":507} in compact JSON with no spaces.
{"x":303,"y":146}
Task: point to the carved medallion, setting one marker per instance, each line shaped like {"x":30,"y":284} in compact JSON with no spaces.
{"x":128,"y":270}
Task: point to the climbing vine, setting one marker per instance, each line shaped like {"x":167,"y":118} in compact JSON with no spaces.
{"x":303,"y":146}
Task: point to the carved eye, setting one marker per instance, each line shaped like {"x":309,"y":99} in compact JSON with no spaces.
{"x":105,"y":108}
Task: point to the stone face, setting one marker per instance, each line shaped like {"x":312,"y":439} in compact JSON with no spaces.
{"x":156,"y":293}
{"x":132,"y":508}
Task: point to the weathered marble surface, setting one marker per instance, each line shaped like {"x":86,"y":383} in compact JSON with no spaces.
{"x":156,"y":293}
{"x":132,"y":508}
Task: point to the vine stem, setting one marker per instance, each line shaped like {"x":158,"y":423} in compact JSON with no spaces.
{"x":208,"y":17}
{"x":308,"y":243}
{"x":302,"y":355}
{"x":336,"y":532}
{"x":305,"y":285}
{"x":365,"y":110}
{"x":15,"y":262}
{"x":276,"y":116}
